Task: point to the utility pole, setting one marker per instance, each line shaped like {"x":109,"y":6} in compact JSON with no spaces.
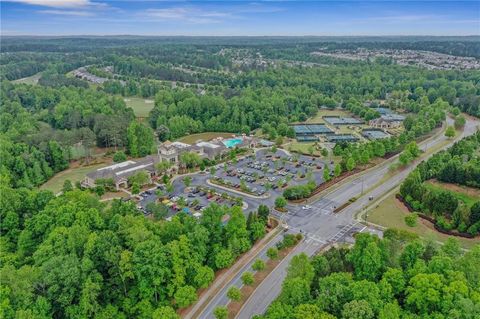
{"x":362,"y":184}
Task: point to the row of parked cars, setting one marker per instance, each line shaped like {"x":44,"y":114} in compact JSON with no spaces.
{"x":211,"y":196}
{"x":253,"y":190}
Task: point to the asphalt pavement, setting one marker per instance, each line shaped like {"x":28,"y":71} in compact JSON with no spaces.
{"x":320,"y":225}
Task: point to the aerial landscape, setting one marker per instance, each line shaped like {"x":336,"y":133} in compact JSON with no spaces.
{"x":240,"y":159}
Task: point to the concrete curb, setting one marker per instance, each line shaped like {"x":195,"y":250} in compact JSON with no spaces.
{"x":235,"y":191}
{"x":271,"y":272}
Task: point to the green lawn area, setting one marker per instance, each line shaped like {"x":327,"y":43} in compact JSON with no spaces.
{"x":327,"y":112}
{"x":141,"y":107}
{"x":55,"y":184}
{"x":303,"y":147}
{"x":390,"y":213}
{"x":467,"y":195}
{"x":190,"y":139}
{"x":33,"y":79}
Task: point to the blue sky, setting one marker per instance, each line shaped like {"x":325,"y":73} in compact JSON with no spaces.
{"x":152,"y":17}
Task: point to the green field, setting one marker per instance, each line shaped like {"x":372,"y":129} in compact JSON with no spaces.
{"x":390,"y":213}
{"x":55,"y":184}
{"x":33,"y":79}
{"x":327,"y":112}
{"x":207,"y":136}
{"x":303,"y":148}
{"x":141,"y":107}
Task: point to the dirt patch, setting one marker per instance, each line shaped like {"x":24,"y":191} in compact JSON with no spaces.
{"x":112,"y":195}
{"x":400,"y":205}
{"x":470,"y":191}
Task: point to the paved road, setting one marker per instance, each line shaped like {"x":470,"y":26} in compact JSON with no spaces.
{"x":221,"y":297}
{"x":321,"y":225}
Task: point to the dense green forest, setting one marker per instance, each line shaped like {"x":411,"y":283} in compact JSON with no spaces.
{"x":75,"y":257}
{"x":219,"y":89}
{"x":460,"y":164}
{"x":39,"y":126}
{"x":399,"y":276}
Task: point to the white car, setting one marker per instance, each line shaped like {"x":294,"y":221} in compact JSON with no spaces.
{"x":306,"y":207}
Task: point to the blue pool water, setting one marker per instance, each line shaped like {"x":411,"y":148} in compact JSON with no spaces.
{"x":232,"y":142}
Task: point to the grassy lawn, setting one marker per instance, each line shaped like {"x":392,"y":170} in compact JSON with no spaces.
{"x":141,"y":107}
{"x":33,"y":79}
{"x":465,"y":194}
{"x":207,"y":136}
{"x":302,"y":147}
{"x":326,"y":112}
{"x":55,"y":184}
{"x":390,"y":213}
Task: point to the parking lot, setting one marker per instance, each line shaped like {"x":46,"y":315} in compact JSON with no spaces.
{"x":256,"y":179}
{"x":191,"y":200}
{"x":265,"y":174}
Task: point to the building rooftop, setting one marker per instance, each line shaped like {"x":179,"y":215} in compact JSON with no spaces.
{"x":207,"y":144}
{"x":124,"y":169}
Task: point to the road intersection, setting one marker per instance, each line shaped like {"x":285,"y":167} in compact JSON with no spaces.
{"x":320,"y":225}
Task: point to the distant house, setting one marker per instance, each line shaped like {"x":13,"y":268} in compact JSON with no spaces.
{"x":120,"y":172}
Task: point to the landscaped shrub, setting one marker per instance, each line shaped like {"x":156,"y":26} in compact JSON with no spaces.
{"x":258,"y":265}
{"x":289,"y":240}
{"x":411,"y":219}
{"x":272,"y":253}
{"x":247,"y":278}
{"x":119,"y":156}
{"x":299,"y":191}
{"x":280,"y":202}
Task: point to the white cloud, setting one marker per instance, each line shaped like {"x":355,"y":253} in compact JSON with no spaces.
{"x":187,"y":14}
{"x":196,"y":14}
{"x":56,"y":3}
{"x":75,"y":13}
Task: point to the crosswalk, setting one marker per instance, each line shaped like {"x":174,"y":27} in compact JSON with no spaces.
{"x":342,"y":232}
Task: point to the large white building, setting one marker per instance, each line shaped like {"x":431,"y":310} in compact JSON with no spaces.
{"x":167,"y":151}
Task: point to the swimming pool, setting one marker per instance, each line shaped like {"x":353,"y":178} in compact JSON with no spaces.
{"x":232,"y":142}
